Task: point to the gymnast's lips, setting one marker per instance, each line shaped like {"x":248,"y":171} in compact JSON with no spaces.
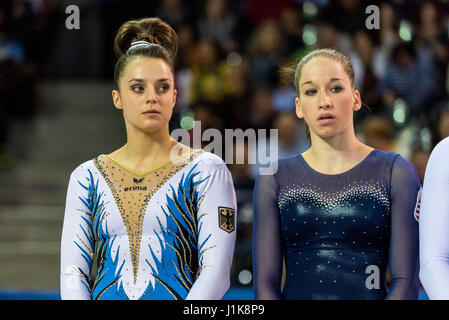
{"x":151,"y":112}
{"x":326,"y":118}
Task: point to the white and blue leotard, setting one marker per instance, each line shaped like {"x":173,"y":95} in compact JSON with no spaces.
{"x":434,"y":224}
{"x":168,"y":233}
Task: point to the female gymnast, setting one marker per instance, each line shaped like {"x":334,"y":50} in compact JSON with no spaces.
{"x":153,"y":219}
{"x":434,"y":224}
{"x":341,"y":212}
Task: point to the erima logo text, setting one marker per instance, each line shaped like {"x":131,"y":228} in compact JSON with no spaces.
{"x":135,"y":189}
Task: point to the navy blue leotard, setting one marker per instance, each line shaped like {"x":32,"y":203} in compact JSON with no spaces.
{"x":337,"y":233}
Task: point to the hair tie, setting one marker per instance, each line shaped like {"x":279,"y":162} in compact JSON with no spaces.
{"x":141,"y":43}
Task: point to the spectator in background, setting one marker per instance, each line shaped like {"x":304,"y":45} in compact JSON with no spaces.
{"x":419,"y":159}
{"x":389,"y":31}
{"x":262,"y":110}
{"x":237,"y":92}
{"x":267,"y":46}
{"x":292,"y":140}
{"x":291,"y":25}
{"x":346,"y":15}
{"x":365,"y":59}
{"x":410,"y":77}
{"x":439,"y":125}
{"x":259,"y":11}
{"x":175,"y":12}
{"x":219,"y":25}
{"x":113,"y":13}
{"x":432,"y":41}
{"x":206,"y":112}
{"x":328,"y":36}
{"x":377,"y":132}
{"x":185,"y":61}
{"x":263,"y":115}
{"x":291,"y":134}
{"x":207,"y":80}
{"x":241,"y":166}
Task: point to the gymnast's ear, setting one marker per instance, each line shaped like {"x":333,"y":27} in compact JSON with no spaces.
{"x":298,"y":109}
{"x":116,"y":99}
{"x":175,"y":96}
{"x":357,"y":101}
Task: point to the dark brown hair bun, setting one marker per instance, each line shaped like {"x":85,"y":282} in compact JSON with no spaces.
{"x":153,"y":30}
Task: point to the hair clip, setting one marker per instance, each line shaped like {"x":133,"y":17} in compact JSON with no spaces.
{"x":141,"y":43}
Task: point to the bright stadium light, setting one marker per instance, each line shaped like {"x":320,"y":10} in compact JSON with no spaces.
{"x":426,"y":138}
{"x":405,"y":30}
{"x":187,"y":122}
{"x":309,"y":35}
{"x":234,"y":59}
{"x":399,"y":111}
{"x":309,"y":9}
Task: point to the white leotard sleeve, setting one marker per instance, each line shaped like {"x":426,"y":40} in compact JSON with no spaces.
{"x":76,"y":259}
{"x":217,"y":220}
{"x":434,"y":224}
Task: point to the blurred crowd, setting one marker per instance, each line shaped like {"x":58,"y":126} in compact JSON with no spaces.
{"x":227,"y":71}
{"x":25,"y":33}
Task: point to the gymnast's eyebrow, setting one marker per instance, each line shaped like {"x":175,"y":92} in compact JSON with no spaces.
{"x":141,"y":80}
{"x":307,"y":82}
{"x":137,"y":80}
{"x":332,"y":80}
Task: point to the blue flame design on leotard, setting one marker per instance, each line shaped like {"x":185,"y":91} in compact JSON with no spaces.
{"x":99,"y":245}
{"x":179,"y":262}
{"x":181,"y":254}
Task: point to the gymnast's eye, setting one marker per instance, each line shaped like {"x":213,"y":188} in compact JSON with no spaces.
{"x":137,"y":88}
{"x":163,"y":88}
{"x":336,"y":89}
{"x":310,"y":92}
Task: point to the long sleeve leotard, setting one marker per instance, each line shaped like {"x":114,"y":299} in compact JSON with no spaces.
{"x":434,"y":224}
{"x":337,"y":233}
{"x":168,"y":233}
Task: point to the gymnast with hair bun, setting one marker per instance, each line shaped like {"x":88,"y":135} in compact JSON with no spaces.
{"x":154,"y":219}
